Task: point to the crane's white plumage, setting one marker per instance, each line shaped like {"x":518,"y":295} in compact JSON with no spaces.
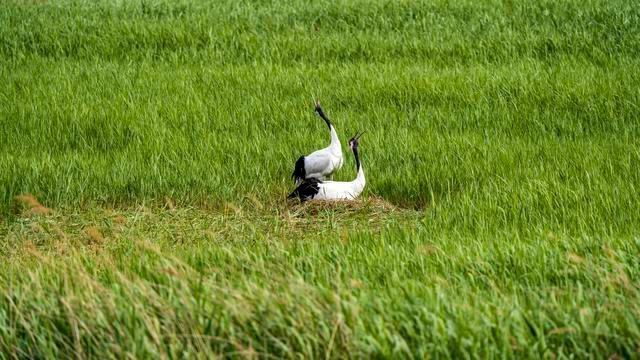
{"x":320,"y":164}
{"x":341,"y":190}
{"x":316,"y":189}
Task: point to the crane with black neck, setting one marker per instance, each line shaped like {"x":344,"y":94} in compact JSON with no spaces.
{"x":322,"y":163}
{"x":316,"y":189}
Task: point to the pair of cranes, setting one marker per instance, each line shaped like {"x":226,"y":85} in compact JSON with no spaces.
{"x":311,"y":171}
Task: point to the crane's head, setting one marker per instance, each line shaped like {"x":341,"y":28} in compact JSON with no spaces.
{"x":353,"y":142}
{"x":320,"y":112}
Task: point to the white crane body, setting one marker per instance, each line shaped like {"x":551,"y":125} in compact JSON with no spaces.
{"x":341,"y":190}
{"x":322,"y":163}
{"x":316,"y":189}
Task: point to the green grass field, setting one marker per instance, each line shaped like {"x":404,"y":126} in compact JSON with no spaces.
{"x":501,"y":217}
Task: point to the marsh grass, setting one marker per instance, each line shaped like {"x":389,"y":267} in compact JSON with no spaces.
{"x":146,"y":148}
{"x":162,"y":283}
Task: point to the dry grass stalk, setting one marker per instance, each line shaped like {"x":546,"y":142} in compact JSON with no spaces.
{"x":30,"y":206}
{"x":561,"y":330}
{"x":169,"y":203}
{"x":427,"y":249}
{"x":119,"y":219}
{"x":94,"y":235}
{"x":575,"y":258}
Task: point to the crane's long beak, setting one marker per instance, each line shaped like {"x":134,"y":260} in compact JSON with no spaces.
{"x":358,"y":136}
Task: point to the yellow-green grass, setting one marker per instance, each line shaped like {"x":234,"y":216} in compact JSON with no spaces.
{"x":500,"y":217}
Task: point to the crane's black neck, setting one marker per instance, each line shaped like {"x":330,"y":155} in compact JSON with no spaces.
{"x":324,"y":117}
{"x":355,"y":154}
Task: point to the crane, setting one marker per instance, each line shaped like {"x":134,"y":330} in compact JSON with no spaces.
{"x":321,"y":163}
{"x":317,"y":189}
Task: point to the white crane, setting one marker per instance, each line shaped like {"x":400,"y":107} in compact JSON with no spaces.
{"x":333,"y":190}
{"x":321,"y":163}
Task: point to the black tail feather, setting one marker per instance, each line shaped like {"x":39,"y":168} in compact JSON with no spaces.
{"x":306,"y":190}
{"x":299,"y":172}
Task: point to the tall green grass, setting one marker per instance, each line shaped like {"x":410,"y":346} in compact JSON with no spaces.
{"x":180,"y":282}
{"x":500,"y":216}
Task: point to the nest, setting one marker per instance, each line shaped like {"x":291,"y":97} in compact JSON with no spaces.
{"x":371,"y":205}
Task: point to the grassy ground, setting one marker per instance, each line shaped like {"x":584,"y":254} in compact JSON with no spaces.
{"x":500,"y":216}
